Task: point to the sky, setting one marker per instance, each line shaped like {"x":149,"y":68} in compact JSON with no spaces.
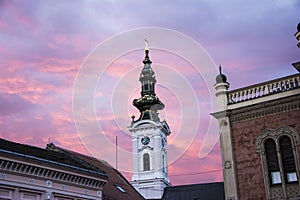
{"x":69,"y":71}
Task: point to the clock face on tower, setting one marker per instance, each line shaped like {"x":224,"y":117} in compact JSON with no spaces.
{"x":145,"y":140}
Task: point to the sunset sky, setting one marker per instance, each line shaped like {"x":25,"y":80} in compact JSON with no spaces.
{"x":57,"y":57}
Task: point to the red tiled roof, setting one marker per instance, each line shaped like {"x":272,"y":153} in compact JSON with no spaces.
{"x":54,"y":155}
{"x":115,"y":178}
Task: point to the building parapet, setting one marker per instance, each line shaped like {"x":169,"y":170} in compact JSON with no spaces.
{"x":264,"y":89}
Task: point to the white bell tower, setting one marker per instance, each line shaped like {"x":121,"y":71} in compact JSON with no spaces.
{"x":149,"y":139}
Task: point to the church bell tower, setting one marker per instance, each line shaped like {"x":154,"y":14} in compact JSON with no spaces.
{"x":149,"y":138}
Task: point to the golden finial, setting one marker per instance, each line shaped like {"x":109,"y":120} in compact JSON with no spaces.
{"x":146,"y":41}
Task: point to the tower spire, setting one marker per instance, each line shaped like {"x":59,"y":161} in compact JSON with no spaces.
{"x":147,"y":59}
{"x":148,"y":104}
{"x":149,"y":138}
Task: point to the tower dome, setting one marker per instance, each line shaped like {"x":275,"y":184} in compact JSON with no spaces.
{"x":221,"y":78}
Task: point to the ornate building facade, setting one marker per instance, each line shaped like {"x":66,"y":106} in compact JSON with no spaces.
{"x":149,"y":139}
{"x":259,"y":129}
{"x":259,"y":137}
{"x":32,"y":173}
{"x":54,"y":173}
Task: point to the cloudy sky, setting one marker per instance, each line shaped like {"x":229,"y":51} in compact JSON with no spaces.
{"x":47,"y":46}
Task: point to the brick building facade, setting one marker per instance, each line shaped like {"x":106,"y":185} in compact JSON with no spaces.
{"x":245,"y":125}
{"x":259,"y":135}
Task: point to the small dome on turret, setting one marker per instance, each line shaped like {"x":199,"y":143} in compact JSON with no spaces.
{"x":221,"y":78}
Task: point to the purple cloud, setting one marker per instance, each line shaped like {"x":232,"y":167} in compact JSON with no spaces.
{"x":43,"y":45}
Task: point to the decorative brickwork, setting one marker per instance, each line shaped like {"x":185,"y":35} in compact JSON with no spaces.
{"x":245,"y":130}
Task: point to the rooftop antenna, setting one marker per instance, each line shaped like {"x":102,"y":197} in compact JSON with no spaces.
{"x":116,"y":152}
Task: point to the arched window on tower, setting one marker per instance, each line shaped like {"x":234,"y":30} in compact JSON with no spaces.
{"x":146,"y":161}
{"x":272,"y":161}
{"x":146,"y":85}
{"x":288,"y":160}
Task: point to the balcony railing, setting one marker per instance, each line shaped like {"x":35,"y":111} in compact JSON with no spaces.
{"x":263,"y":89}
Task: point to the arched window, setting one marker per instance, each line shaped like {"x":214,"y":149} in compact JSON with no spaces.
{"x":280,"y":164}
{"x":146,"y":161}
{"x":272,"y":161}
{"x":288,"y":160}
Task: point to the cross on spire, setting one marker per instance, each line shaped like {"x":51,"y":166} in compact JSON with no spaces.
{"x":147,"y":42}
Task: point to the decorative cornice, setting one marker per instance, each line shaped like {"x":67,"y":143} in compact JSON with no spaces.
{"x":51,"y":162}
{"x":145,"y":147}
{"x":263,"y":89}
{"x":265,"y":108}
{"x":220,"y":114}
{"x":41,"y":172}
{"x":145,"y":125}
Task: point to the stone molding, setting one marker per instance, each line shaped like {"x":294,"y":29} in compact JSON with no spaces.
{"x":265,"y":109}
{"x":276,"y":134}
{"x":284,"y":190}
{"x":50,"y":174}
{"x":145,"y":125}
{"x":145,"y":147}
{"x":272,"y":87}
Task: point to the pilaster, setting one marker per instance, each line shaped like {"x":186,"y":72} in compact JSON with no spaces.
{"x":229,"y":171}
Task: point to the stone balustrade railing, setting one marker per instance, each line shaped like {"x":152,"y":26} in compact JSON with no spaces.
{"x":263,"y":89}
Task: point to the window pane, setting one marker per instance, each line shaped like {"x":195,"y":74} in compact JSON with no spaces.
{"x":146,"y":161}
{"x":120,"y":188}
{"x":291,"y":177}
{"x":5,"y":194}
{"x":287,"y":155}
{"x":29,"y":196}
{"x":146,"y":87}
{"x":272,"y":161}
{"x":275,"y":176}
{"x":271,"y":154}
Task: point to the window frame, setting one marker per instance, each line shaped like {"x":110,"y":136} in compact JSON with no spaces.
{"x":276,"y":135}
{"x":273,"y":165}
{"x":146,"y":162}
{"x":283,"y":160}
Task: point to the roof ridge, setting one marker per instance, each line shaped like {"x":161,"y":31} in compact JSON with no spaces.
{"x":53,"y":147}
{"x":48,"y":156}
{"x":197,"y":184}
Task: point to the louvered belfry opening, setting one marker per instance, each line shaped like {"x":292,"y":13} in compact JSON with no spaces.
{"x":272,"y":161}
{"x":288,"y":160}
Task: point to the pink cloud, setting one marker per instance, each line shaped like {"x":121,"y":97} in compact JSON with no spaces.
{"x":199,"y":171}
{"x":14,"y":13}
{"x":43,"y":45}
